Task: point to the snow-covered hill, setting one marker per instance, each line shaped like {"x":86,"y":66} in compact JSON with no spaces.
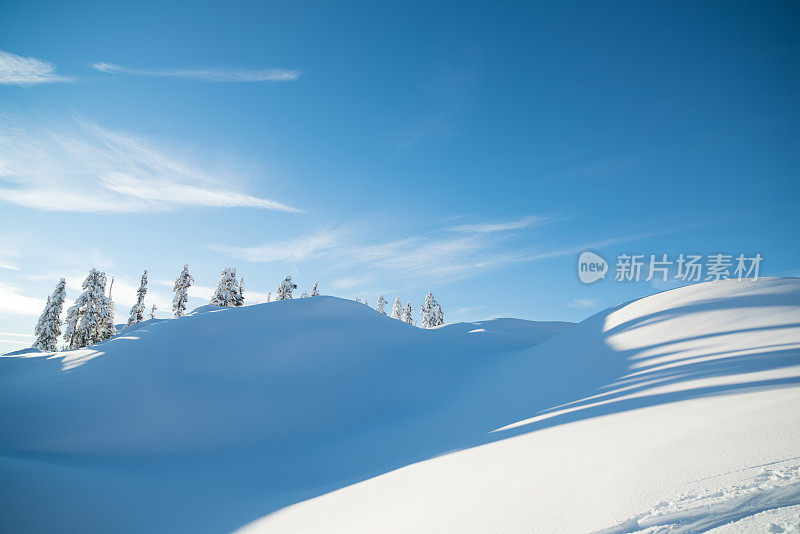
{"x":679,"y":409}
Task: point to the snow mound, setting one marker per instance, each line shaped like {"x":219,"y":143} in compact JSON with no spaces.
{"x":263,"y":403}
{"x":322,"y":415}
{"x":684,"y":393}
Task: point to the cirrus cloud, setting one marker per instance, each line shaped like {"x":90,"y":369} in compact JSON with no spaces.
{"x":24,"y":71}
{"x":206,"y":74}
{"x":87,"y":168}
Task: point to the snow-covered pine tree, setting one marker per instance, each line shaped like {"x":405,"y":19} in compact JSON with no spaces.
{"x":153,"y":312}
{"x":431,"y":312}
{"x":73,"y":316}
{"x":408,"y":314}
{"x":269,"y":296}
{"x":314,"y":290}
{"x":91,"y":319}
{"x":240,"y":293}
{"x":366,"y":302}
{"x":285,"y":289}
{"x":304,"y":295}
{"x":41,"y":320}
{"x":49,"y":326}
{"x":358,"y":300}
{"x":108,"y":327}
{"x":382,"y":302}
{"x":181,"y":288}
{"x":397,"y":310}
{"x":227,"y":292}
{"x":137,"y":312}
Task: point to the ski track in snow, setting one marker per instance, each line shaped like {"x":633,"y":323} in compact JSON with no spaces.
{"x":719,"y":510}
{"x":777,"y":521}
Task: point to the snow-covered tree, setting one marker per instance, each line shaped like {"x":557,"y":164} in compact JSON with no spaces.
{"x":285,"y":289}
{"x":181,"y":288}
{"x":358,"y":300}
{"x":137,"y":312}
{"x":41,"y":320}
{"x":153,"y":312}
{"x":366,"y":302}
{"x":314,"y":290}
{"x":431,"y":312}
{"x":304,"y":295}
{"x":227,"y":292}
{"x":397,"y":310}
{"x":48,"y":328}
{"x":91,"y":319}
{"x":382,"y":302}
{"x":269,"y":296}
{"x":408,"y":314}
{"x":240,"y":293}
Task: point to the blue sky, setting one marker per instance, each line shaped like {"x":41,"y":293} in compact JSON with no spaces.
{"x":391,"y":148}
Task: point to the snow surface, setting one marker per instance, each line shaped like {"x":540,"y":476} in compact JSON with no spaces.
{"x":677,"y":412}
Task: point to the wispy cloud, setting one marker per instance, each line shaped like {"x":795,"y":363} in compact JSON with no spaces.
{"x":437,"y":256}
{"x":85,"y":168}
{"x":467,"y":309}
{"x":486,"y":228}
{"x":19,"y":70}
{"x":206,"y":74}
{"x":293,"y":250}
{"x":8,"y":266}
{"x":596,"y":245}
{"x":583,"y":303}
{"x":12,"y":301}
{"x":440,"y":256}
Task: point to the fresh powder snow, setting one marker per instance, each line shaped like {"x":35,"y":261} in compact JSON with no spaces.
{"x":677,"y":412}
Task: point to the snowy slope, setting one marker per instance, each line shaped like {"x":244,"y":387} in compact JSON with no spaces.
{"x":238,"y":411}
{"x":322,"y":415}
{"x":678,"y":411}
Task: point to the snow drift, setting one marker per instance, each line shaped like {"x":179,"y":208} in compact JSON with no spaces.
{"x":323,"y":415}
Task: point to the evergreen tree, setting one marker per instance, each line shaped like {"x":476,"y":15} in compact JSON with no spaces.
{"x":431,"y":312}
{"x":285,"y":289}
{"x":408,"y":314}
{"x":137,"y":312}
{"x":91,"y":319}
{"x":304,"y":295}
{"x":358,"y":300}
{"x":109,"y":329}
{"x":382,"y":302}
{"x":240,"y":293}
{"x":153,"y":312}
{"x":397,"y":310}
{"x":314,"y":290}
{"x":269,"y":296}
{"x":227,"y":292}
{"x":42,"y":319}
{"x":181,"y":288}
{"x":49,"y":326}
